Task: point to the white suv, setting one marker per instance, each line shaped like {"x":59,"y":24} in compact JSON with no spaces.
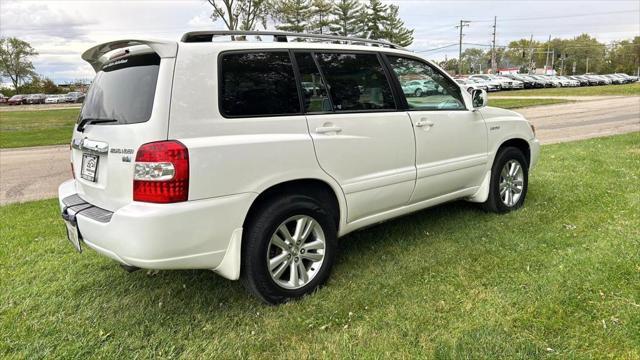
{"x":208,"y":154}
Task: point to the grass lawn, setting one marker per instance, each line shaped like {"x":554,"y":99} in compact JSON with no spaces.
{"x":519,"y":103}
{"x":560,"y":277}
{"x":626,"y":89}
{"x":34,"y":128}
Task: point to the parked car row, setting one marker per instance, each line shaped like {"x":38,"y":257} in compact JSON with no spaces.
{"x":491,"y":82}
{"x":72,"y":97}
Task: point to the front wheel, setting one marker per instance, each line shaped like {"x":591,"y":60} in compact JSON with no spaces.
{"x":418,"y":93}
{"x":289,"y":249}
{"x":509,"y":181}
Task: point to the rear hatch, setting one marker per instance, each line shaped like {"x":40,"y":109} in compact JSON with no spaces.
{"x":126,"y":106}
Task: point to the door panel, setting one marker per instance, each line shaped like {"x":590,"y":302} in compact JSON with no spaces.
{"x":372,"y":155}
{"x":451,"y":141}
{"x":360,"y":140}
{"x":451,"y":152}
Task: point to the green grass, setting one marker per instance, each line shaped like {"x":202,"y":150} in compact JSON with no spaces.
{"x":626,"y":89}
{"x":35,"y":128}
{"x":519,"y":103}
{"x":558,"y":278}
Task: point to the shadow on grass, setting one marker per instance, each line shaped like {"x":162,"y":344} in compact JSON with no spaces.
{"x":203,"y":289}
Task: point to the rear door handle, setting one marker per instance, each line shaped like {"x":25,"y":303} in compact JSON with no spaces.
{"x":424,"y":123}
{"x":328,"y":129}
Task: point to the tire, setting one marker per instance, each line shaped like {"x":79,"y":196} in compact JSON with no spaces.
{"x":418,"y":93}
{"x":258,"y":248}
{"x":517,"y":181}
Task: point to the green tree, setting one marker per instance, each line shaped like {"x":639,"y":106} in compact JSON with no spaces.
{"x":374,"y":18}
{"x":394,"y":29}
{"x":624,"y":56}
{"x":240,"y":14}
{"x":519,"y":52}
{"x":292,"y":15}
{"x":15,"y":60}
{"x":449,"y":65}
{"x":346,"y":18}
{"x":475,"y":60}
{"x":320,"y":16}
{"x":49,"y":87}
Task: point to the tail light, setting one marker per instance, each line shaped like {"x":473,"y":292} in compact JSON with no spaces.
{"x":161,"y":173}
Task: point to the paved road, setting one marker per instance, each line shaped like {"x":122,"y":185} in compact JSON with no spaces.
{"x":584,"y":120}
{"x":32,"y":173}
{"x":35,"y":173}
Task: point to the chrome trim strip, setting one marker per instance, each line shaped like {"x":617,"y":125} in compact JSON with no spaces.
{"x":93,"y":146}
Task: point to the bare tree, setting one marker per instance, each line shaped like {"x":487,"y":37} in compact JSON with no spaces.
{"x":240,"y":14}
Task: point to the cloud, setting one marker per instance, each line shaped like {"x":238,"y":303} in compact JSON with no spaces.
{"x":201,"y":20}
{"x":37,"y":19}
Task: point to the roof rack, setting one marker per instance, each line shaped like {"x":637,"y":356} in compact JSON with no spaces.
{"x":282,"y":36}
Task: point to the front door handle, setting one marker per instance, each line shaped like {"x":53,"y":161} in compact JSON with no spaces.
{"x":328,"y":129}
{"x":424,"y":123}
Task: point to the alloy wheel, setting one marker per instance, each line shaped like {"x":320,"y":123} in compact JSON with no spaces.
{"x":296,"y":252}
{"x":511,"y":183}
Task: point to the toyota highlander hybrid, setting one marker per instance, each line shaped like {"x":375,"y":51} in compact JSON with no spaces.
{"x":208,"y":154}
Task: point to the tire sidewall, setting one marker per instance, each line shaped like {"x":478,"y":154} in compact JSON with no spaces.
{"x":255,"y":271}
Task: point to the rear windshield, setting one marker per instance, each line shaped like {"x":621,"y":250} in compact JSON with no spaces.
{"x":123,"y":90}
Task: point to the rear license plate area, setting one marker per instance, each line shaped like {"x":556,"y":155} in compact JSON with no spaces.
{"x":89,"y":170}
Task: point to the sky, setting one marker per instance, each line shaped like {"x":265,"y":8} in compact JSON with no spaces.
{"x":61,"y":30}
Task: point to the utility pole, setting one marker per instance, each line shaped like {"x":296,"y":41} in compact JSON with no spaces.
{"x":546,"y":61}
{"x":530,"y":54}
{"x":463,"y":23}
{"x":553,"y":58}
{"x":562,"y":64}
{"x":587,"y":70}
{"x":493,"y":47}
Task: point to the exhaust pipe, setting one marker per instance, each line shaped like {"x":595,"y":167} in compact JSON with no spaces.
{"x":129,"y":268}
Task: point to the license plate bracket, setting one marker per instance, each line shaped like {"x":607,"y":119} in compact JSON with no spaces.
{"x":73,"y":235}
{"x":89,"y":170}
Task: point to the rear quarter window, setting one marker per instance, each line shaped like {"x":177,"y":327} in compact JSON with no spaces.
{"x":257,"y":84}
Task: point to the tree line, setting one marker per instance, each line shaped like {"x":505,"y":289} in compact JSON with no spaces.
{"x":585,"y":51}
{"x":370,"y":20}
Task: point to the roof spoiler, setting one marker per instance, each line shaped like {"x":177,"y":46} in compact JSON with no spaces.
{"x":94,"y":56}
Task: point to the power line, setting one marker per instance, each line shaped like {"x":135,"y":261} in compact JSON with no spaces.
{"x":562,"y":16}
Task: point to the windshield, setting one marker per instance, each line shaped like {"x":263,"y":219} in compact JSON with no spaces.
{"x":123,"y":90}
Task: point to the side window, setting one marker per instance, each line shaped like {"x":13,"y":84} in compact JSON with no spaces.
{"x":356,"y":82}
{"x":314,"y":91}
{"x":258,"y":83}
{"x":424,"y":87}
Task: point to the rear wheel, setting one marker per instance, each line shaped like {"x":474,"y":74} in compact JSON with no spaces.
{"x":418,"y":93}
{"x":289,"y":249}
{"x":509,"y":181}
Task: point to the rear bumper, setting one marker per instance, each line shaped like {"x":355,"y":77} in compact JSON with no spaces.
{"x":187,"y":235}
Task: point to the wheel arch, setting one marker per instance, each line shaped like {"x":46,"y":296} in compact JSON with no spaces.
{"x":483,"y":191}
{"x":518,"y":143}
{"x":317,"y":188}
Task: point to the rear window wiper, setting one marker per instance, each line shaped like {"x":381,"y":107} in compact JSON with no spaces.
{"x":86,"y":121}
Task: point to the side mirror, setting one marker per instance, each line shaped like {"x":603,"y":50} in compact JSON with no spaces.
{"x":479,"y":98}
